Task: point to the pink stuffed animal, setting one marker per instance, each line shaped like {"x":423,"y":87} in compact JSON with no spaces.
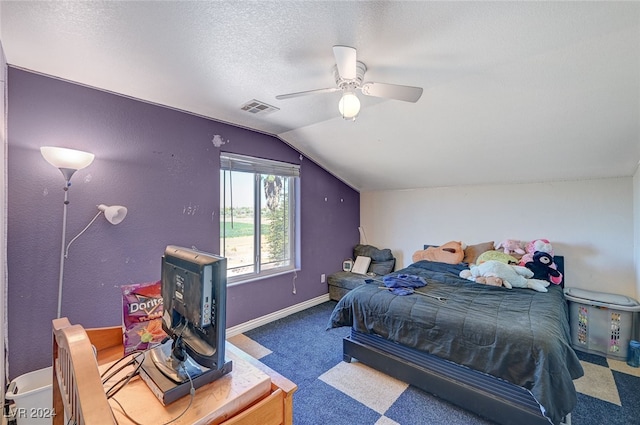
{"x":535,"y":245}
{"x":539,"y":245}
{"x":511,"y":246}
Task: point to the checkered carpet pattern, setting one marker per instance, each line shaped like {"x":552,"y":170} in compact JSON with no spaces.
{"x":331,"y":391}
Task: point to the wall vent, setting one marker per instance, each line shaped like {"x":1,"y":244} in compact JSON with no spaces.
{"x":257,"y":107}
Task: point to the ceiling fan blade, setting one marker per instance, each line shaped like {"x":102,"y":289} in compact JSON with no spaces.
{"x":345,"y":61}
{"x":392,"y":91}
{"x":305,"y":93}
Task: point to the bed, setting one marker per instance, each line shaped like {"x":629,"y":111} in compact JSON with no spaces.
{"x":504,"y":354}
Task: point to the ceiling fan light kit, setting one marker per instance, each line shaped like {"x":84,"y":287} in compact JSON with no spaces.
{"x":349,"y":105}
{"x":349,"y":76}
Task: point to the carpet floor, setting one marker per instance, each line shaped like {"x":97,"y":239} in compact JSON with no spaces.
{"x":331,"y":391}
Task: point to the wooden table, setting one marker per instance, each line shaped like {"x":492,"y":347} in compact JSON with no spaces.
{"x":252,"y":394}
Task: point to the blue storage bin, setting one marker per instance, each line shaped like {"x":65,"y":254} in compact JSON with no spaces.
{"x":633,"y":358}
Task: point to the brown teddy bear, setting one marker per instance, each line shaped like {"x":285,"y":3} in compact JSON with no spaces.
{"x":450,"y":253}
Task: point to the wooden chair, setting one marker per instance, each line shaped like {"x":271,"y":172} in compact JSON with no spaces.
{"x":77,"y":387}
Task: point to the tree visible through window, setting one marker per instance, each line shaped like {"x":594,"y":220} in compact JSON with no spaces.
{"x":257,"y":219}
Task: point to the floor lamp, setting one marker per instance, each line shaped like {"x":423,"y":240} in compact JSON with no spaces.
{"x":68,"y":161}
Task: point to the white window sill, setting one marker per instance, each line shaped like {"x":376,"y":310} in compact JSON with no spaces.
{"x":253,"y":278}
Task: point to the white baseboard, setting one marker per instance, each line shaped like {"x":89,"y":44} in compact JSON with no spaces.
{"x":259,"y":321}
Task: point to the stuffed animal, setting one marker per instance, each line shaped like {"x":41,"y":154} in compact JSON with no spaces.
{"x":511,"y":275}
{"x":484,"y":280}
{"x":512,"y":246}
{"x":496,"y":255}
{"x":535,"y":245}
{"x":450,"y":253}
{"x":542,"y":267}
{"x":490,"y":280}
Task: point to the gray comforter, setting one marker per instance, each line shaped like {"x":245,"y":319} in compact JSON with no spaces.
{"x":519,"y":335}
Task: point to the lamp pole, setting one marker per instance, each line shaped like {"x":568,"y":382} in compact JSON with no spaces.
{"x":67,"y":175}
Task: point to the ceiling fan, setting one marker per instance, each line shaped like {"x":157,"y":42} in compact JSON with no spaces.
{"x":349,"y":76}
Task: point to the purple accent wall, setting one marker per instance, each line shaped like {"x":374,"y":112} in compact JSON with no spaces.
{"x":163,"y":166}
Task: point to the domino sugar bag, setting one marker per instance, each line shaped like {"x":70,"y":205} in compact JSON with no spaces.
{"x":141,"y":315}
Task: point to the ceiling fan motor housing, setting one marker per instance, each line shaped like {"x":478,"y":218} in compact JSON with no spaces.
{"x":351,"y":84}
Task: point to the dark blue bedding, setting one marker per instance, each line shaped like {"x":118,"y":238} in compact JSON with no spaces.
{"x":519,"y":335}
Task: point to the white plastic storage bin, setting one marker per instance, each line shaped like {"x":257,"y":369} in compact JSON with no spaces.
{"x":32,"y":394}
{"x":601,"y":323}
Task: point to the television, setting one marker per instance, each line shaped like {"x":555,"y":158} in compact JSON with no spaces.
{"x":194,"y":295}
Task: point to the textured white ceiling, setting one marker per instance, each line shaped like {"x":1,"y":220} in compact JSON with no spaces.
{"x":513,"y":91}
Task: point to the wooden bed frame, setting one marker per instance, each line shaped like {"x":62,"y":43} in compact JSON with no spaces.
{"x":485,"y":395}
{"x":78,"y":394}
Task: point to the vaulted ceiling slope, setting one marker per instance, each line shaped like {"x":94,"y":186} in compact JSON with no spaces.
{"x":513,"y":91}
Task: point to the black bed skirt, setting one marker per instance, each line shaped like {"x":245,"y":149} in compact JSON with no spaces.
{"x":487,"y":396}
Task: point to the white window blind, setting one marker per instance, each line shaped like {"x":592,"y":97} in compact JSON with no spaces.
{"x":236,"y":162}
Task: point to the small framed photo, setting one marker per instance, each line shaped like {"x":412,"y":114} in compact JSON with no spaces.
{"x":347,"y":265}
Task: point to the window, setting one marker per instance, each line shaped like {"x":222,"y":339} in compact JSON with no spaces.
{"x":258,"y":216}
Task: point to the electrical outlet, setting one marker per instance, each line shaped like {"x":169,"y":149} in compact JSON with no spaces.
{"x":323,"y":278}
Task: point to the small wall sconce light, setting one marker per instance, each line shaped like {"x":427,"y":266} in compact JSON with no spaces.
{"x":114,"y":215}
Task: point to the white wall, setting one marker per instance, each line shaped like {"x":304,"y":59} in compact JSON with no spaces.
{"x":590,"y":222}
{"x":3,"y":217}
{"x":636,"y":228}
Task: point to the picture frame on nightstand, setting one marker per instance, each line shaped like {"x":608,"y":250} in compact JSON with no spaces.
{"x":347,"y":265}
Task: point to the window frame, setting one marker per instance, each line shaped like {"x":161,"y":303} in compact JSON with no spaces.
{"x":259,"y":167}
